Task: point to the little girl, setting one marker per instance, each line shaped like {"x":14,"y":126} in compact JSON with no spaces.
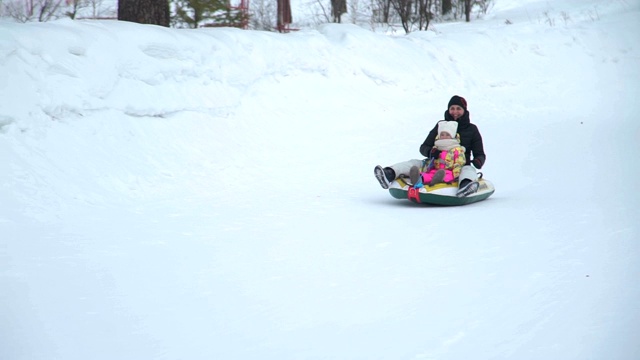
{"x":446,"y":158}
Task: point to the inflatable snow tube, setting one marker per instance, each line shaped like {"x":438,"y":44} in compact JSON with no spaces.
{"x":439,"y":194}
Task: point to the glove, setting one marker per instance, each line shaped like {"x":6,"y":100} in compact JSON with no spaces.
{"x":434,"y":153}
{"x":477,"y":163}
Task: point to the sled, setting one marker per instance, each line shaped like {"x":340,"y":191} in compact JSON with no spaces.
{"x":439,"y":194}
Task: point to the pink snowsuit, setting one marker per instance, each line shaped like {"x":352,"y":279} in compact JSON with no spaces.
{"x":451,"y":161}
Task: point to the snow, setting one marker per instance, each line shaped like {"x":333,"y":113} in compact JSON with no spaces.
{"x":209,"y":193}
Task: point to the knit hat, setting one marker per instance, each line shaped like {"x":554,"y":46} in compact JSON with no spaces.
{"x":450,"y":127}
{"x":458,"y":100}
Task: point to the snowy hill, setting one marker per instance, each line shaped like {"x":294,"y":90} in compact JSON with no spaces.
{"x":209,"y":194}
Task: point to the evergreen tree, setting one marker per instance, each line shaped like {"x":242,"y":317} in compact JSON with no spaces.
{"x":195,"y":13}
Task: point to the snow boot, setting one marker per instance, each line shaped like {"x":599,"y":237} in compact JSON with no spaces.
{"x":467,"y":187}
{"x":384,"y":175}
{"x":437,"y":178}
{"x":468,"y":181}
{"x":414,"y":175}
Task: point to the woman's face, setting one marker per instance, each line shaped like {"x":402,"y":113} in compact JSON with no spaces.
{"x":456,"y":111}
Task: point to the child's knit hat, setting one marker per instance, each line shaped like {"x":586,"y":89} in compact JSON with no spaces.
{"x":450,"y":127}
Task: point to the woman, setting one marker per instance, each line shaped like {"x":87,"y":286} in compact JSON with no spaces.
{"x":470,"y":139}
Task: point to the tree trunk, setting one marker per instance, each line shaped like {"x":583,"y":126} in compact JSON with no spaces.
{"x":154,"y":12}
{"x":467,"y":10}
{"x":338,"y":7}
{"x":385,"y":8}
{"x":446,"y":7}
{"x":404,"y":9}
{"x":424,"y":14}
{"x":284,"y":15}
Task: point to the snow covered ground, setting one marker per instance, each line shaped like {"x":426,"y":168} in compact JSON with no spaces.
{"x":209,"y":194}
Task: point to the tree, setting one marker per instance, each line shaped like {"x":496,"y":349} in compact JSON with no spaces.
{"x":382,"y":11}
{"x":144,"y":11}
{"x":195,"y":13}
{"x":446,"y":7}
{"x":262,"y":14}
{"x":424,"y":13}
{"x":404,"y":9}
{"x":412,"y":12}
{"x":284,"y":15}
{"x":40,"y":10}
{"x":338,"y":7}
{"x":467,"y":10}
{"x":75,"y":6}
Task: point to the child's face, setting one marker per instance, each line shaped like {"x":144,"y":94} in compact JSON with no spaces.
{"x":445,"y":135}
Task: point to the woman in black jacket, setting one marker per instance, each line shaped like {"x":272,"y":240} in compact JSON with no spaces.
{"x":470,"y":138}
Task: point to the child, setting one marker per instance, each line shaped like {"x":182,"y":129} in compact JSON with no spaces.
{"x":446,"y":159}
{"x":470,"y":139}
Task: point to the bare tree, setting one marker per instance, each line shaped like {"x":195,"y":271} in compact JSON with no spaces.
{"x":355,"y":7}
{"x":29,"y":10}
{"x":484,"y":5}
{"x":424,"y":14}
{"x":47,"y":9}
{"x":262,"y":14}
{"x":413,"y":12}
{"x":75,"y":6}
{"x":98,"y":10}
{"x":404,"y":10}
{"x":381,"y":10}
{"x":144,"y":11}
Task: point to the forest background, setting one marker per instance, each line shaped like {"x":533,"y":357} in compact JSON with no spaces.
{"x":270,"y":15}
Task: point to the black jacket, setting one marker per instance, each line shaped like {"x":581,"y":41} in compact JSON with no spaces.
{"x":470,"y":138}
